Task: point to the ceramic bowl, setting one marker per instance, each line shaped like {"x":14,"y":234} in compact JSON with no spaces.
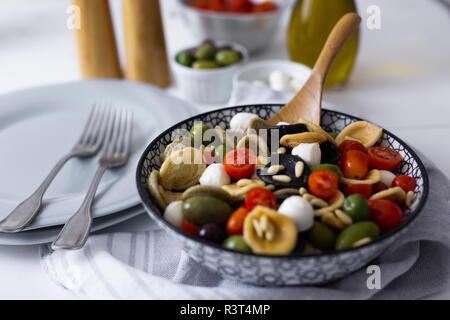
{"x":295,"y":269}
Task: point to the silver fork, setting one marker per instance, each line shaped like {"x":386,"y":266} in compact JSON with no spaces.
{"x":115,"y":154}
{"x":88,"y":145}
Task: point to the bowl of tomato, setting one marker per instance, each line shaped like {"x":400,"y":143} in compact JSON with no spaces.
{"x":248,"y":22}
{"x":366,"y":177}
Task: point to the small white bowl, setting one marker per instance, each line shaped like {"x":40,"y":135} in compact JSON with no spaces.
{"x":208,"y":85}
{"x":261,"y":70}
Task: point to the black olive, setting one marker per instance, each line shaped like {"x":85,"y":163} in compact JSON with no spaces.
{"x":288,"y":161}
{"x":330,"y":153}
{"x":284,"y":129}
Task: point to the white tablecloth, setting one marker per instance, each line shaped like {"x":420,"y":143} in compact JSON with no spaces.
{"x":400,"y":80}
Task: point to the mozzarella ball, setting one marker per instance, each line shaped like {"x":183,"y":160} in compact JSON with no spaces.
{"x":387,"y":177}
{"x":173,"y":213}
{"x":309,"y":152}
{"x":242,"y":120}
{"x":299,"y":210}
{"x":279,"y":81}
{"x":215,"y":175}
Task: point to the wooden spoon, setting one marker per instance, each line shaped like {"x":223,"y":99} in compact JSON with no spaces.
{"x":307,"y":102}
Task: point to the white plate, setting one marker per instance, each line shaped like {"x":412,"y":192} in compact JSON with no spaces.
{"x":38,"y":126}
{"x":46,"y":235}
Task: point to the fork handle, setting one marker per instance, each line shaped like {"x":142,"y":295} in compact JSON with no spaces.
{"x":75,"y":232}
{"x":27,"y":210}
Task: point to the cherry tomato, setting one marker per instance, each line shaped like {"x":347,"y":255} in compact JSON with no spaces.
{"x":264,"y":7}
{"x":405,"y":182}
{"x":347,"y":145}
{"x":260,"y":197}
{"x":235,"y":223}
{"x":188,"y":227}
{"x":355,"y":164}
{"x":201,"y":4}
{"x":240,"y":163}
{"x":383,"y":158}
{"x":217,"y":5}
{"x":323,"y":183}
{"x":386,"y":214}
{"x":240,"y":5}
{"x":364,"y":189}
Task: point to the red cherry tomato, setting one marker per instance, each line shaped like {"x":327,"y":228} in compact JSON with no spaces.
{"x":201,"y":4}
{"x":386,"y":214}
{"x":379,"y":186}
{"x":240,"y":5}
{"x":405,"y":182}
{"x":260,"y":197}
{"x":364,"y":189}
{"x":323,"y":183}
{"x":235,"y":223}
{"x":189,"y":227}
{"x":383,"y":158}
{"x":240,"y":163}
{"x":355,"y":164}
{"x":264,"y":7}
{"x":217,"y":5}
{"x":347,"y":145}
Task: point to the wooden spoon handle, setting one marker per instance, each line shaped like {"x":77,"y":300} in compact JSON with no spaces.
{"x":341,"y":32}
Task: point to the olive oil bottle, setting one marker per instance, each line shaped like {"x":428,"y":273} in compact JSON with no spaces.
{"x":310,"y":24}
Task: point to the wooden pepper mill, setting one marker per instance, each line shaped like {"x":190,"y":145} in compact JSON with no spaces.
{"x":146,"y":56}
{"x":97,"y":51}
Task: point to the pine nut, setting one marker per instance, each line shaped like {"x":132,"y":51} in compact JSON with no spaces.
{"x":330,"y":219}
{"x":275,"y":169}
{"x":243,"y":182}
{"x":317,"y":202}
{"x":409,"y":198}
{"x":299,"y":166}
{"x":258,"y":230}
{"x":303,"y":191}
{"x":308,"y":196}
{"x":263,"y":223}
{"x":282,"y":178}
{"x":281,"y":150}
{"x":362,"y":241}
{"x":345,"y":218}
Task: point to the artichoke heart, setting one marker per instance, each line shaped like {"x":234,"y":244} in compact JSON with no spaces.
{"x":269,"y":232}
{"x":182,"y":169}
{"x":365,"y":132}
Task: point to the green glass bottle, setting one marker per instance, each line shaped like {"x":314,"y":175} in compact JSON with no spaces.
{"x":310,"y":24}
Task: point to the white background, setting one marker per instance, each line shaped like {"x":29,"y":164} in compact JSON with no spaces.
{"x":401,"y":81}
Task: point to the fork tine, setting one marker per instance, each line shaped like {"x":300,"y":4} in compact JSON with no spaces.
{"x":102,"y":125}
{"x":89,"y":124}
{"x":112,"y":133}
{"x":128,"y":131}
{"x":121,"y":132}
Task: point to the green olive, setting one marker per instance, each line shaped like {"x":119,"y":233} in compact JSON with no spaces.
{"x":355,"y":232}
{"x":205,"y":51}
{"x":185,"y":58}
{"x":227,"y":57}
{"x":328,"y":166}
{"x":322,"y":236}
{"x":236,"y":243}
{"x":220,"y":152}
{"x":201,"y":210}
{"x":205,"y":64}
{"x":357,"y":207}
{"x":197,"y":133}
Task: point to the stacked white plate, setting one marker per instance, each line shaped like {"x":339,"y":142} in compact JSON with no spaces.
{"x":38,"y":126}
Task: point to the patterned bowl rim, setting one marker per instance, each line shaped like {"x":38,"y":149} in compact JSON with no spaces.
{"x":153,"y":209}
